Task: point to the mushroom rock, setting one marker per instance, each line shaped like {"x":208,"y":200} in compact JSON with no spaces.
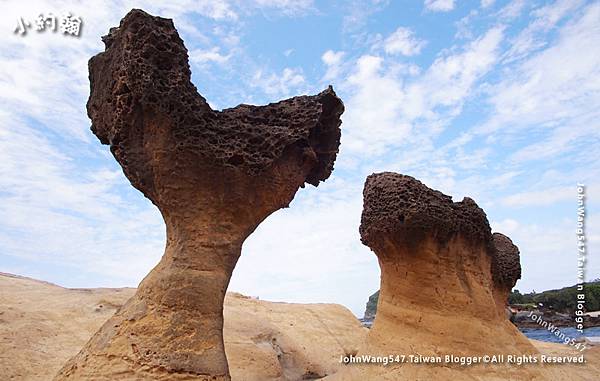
{"x":506,"y":268}
{"x":214,"y":176}
{"x":442,"y":273}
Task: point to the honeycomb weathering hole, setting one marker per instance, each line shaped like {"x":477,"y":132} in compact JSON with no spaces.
{"x":214,"y":175}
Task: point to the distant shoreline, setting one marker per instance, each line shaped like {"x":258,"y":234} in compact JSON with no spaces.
{"x":521,"y":319}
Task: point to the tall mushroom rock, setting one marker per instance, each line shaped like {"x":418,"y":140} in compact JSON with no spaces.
{"x":214,"y":175}
{"x":443,"y":274}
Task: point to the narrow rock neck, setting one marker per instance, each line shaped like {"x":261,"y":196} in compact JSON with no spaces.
{"x":439,"y":297}
{"x":449,"y":278}
{"x":186,"y":291}
{"x":196,"y":267}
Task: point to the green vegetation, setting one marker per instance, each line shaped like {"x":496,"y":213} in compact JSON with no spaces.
{"x":562,"y":300}
{"x":372,"y":305}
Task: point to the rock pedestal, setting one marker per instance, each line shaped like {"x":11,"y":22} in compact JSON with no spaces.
{"x":444,"y":283}
{"x":214,"y":175}
{"x":442,"y":276}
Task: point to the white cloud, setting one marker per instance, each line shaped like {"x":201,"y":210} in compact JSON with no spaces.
{"x":548,"y":252}
{"x":279,"y":84}
{"x":217,"y":10}
{"x":331,"y":58}
{"x":550,"y":14}
{"x":333,"y":61}
{"x":487,"y":3}
{"x":559,"y":140}
{"x":200,"y":56}
{"x":385,"y":105}
{"x":555,"y":92}
{"x":439,"y":5}
{"x":63,"y":199}
{"x":359,"y":11}
{"x":540,"y":198}
{"x":451,"y":77}
{"x":464,"y":25}
{"x":404,"y":42}
{"x":533,"y":36}
{"x":55,"y":212}
{"x":372,"y":119}
{"x":316,"y":240}
{"x":511,"y":10}
{"x":289,"y":7}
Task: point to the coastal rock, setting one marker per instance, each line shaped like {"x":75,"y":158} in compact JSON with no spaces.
{"x":506,"y":268}
{"x":441,"y":276}
{"x":371,"y":307}
{"x":506,"y":264}
{"x":42,"y":325}
{"x":439,"y":269}
{"x":214,"y":176}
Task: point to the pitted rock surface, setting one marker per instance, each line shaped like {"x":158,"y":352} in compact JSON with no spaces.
{"x":402,"y":206}
{"x":144,"y":72}
{"x":506,"y":265}
{"x":214,"y":175}
{"x":438,"y":291}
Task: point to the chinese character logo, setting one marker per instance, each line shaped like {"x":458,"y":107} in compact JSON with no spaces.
{"x":42,"y":22}
{"x":22,"y":26}
{"x":68,"y":24}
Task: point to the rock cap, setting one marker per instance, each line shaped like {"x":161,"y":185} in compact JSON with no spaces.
{"x":402,"y":208}
{"x":506,"y":265}
{"x":142,"y":101}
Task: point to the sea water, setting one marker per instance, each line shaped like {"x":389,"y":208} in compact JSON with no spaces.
{"x":543,"y":334}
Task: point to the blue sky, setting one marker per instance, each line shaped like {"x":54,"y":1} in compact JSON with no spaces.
{"x":495,"y":100}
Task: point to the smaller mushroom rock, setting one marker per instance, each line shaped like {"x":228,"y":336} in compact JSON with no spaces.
{"x":442,"y":280}
{"x":439,"y":272}
{"x":506,"y":264}
{"x":506,"y":268}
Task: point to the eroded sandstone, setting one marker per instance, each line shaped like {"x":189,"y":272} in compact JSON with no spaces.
{"x":214,"y":175}
{"x":444,"y":283}
{"x":439,"y":268}
{"x":42,"y":325}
